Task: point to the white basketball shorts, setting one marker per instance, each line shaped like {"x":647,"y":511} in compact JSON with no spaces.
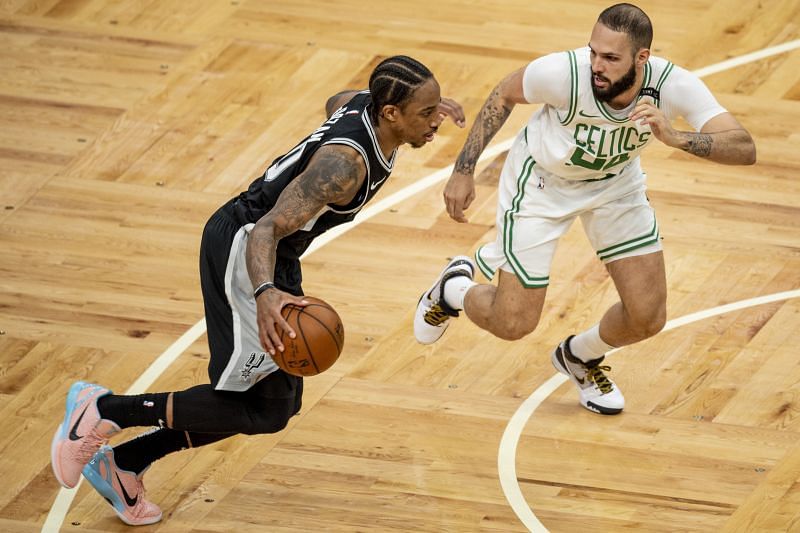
{"x":535,"y":208}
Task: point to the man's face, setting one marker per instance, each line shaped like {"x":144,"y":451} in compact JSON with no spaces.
{"x":613,"y":65}
{"x":419,"y":117}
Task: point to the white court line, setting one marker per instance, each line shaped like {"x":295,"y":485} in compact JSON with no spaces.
{"x":58,"y":511}
{"x":747,"y":58}
{"x":507,"y":453}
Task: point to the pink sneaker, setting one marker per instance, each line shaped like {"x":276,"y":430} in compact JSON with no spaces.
{"x":124,"y":490}
{"x":80,"y":434}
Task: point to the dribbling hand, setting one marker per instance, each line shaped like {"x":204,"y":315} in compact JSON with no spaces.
{"x":270,"y":321}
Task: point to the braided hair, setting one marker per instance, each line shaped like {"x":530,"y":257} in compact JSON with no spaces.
{"x":394,"y":81}
{"x":629,"y":19}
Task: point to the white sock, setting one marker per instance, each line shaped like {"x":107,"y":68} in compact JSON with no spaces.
{"x":455,"y":290}
{"x":588,"y":345}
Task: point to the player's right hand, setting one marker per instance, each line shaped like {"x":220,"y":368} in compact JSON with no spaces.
{"x":458,"y":195}
{"x":270,"y":321}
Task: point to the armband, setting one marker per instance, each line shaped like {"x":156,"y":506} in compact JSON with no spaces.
{"x":261,"y":288}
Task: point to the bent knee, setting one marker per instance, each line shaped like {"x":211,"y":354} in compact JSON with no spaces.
{"x":269,"y":420}
{"x":649,"y":324}
{"x":515,"y":328}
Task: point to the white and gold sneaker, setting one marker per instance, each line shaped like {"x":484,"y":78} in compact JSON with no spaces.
{"x":433,"y":313}
{"x":598,"y":393}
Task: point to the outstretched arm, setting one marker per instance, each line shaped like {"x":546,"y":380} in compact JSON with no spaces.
{"x":338,"y":100}
{"x":722,"y":139}
{"x":460,"y":190}
{"x":334,"y":175}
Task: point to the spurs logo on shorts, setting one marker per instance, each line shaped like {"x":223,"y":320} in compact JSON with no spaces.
{"x":253,"y":362}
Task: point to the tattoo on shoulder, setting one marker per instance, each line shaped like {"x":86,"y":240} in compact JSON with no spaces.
{"x":333,"y":177}
{"x":700,"y":144}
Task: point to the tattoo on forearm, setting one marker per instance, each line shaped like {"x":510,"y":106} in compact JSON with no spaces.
{"x":492,"y":117}
{"x":260,"y":254}
{"x":700,"y":144}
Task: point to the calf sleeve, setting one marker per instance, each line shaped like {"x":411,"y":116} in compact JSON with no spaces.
{"x":203,"y":409}
{"x":139,"y":453}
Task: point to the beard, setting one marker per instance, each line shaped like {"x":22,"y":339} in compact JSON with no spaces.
{"x":616,"y":88}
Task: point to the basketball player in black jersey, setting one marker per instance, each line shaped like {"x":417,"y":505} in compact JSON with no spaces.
{"x":249,"y":269}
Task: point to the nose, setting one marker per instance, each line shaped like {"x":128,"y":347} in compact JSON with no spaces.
{"x":598,"y":65}
{"x":437,"y":120}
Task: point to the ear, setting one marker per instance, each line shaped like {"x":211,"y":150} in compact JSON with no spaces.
{"x":390,"y":112}
{"x":642,"y":56}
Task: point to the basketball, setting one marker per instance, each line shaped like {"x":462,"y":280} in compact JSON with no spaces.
{"x":319,"y":338}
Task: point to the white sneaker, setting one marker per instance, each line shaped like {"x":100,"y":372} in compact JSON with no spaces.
{"x":597,"y":392}
{"x":433,"y":314}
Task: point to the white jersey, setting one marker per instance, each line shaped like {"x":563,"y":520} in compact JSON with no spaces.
{"x":577,"y":137}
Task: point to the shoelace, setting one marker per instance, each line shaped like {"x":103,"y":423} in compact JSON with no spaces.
{"x":90,"y":444}
{"x":141,"y":505}
{"x":436,"y":315}
{"x":601,"y":380}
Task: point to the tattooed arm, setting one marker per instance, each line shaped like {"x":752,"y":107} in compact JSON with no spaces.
{"x":460,"y":190}
{"x":722,"y":139}
{"x":334,"y":175}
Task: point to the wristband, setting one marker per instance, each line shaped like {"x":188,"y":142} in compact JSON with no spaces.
{"x":261,"y":288}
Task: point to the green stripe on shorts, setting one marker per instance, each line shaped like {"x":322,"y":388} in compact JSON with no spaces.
{"x":632,"y":244}
{"x":508,"y":230}
{"x":487,"y":271}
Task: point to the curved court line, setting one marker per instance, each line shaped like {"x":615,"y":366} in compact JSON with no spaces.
{"x":58,"y":511}
{"x":60,"y":507}
{"x":506,"y":455}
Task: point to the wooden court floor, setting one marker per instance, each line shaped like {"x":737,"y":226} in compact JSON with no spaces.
{"x":124,"y":124}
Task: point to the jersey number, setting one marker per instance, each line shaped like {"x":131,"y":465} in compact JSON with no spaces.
{"x":583,"y":159}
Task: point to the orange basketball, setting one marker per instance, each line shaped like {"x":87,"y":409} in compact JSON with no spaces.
{"x":319,"y":340}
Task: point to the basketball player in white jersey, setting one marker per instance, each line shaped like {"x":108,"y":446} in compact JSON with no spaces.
{"x":578,"y":156}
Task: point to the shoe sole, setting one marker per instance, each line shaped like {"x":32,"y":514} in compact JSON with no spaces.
{"x":557,"y":365}
{"x":599,"y":409}
{"x":109,"y":494}
{"x":465,"y":261}
{"x":54,"y":457}
{"x":589,"y":405}
{"x":60,"y":433}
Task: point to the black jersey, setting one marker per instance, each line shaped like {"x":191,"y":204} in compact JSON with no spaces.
{"x":349,"y":125}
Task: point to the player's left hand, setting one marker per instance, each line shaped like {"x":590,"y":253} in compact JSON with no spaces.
{"x":451,"y":108}
{"x":646,"y":113}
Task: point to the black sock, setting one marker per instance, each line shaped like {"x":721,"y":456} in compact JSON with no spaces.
{"x":140,"y":410}
{"x":139,"y":453}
